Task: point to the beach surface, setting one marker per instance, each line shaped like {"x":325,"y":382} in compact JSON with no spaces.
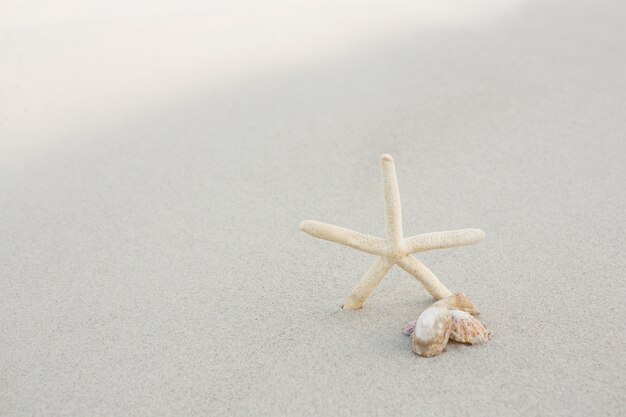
{"x":150,"y":258}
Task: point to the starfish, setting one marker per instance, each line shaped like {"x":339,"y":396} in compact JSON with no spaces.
{"x":395,"y":249}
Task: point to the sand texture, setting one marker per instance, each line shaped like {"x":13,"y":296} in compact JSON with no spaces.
{"x":152,"y":264}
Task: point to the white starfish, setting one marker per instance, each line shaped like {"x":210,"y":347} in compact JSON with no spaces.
{"x":395,"y":249}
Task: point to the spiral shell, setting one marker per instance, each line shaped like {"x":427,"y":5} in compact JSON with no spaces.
{"x":432,"y":331}
{"x":467,"y":329}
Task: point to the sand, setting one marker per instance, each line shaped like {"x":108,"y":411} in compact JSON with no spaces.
{"x":151,"y":263}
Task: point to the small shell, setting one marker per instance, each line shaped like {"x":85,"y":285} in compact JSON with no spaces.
{"x":432,"y":331}
{"x":467,"y":329}
{"x":459,"y":301}
{"x":408,"y":328}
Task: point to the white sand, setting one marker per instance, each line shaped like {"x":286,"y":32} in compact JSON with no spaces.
{"x":150,"y":259}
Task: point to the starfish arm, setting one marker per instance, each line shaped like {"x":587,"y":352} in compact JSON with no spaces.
{"x":442,"y":240}
{"x":351,"y":238}
{"x":425,"y":276}
{"x":393,"y":208}
{"x":368,"y":283}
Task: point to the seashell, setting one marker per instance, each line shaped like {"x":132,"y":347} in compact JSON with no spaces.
{"x":466,"y":328}
{"x":432,"y":331}
{"x":459,"y":301}
{"x":408,"y":328}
